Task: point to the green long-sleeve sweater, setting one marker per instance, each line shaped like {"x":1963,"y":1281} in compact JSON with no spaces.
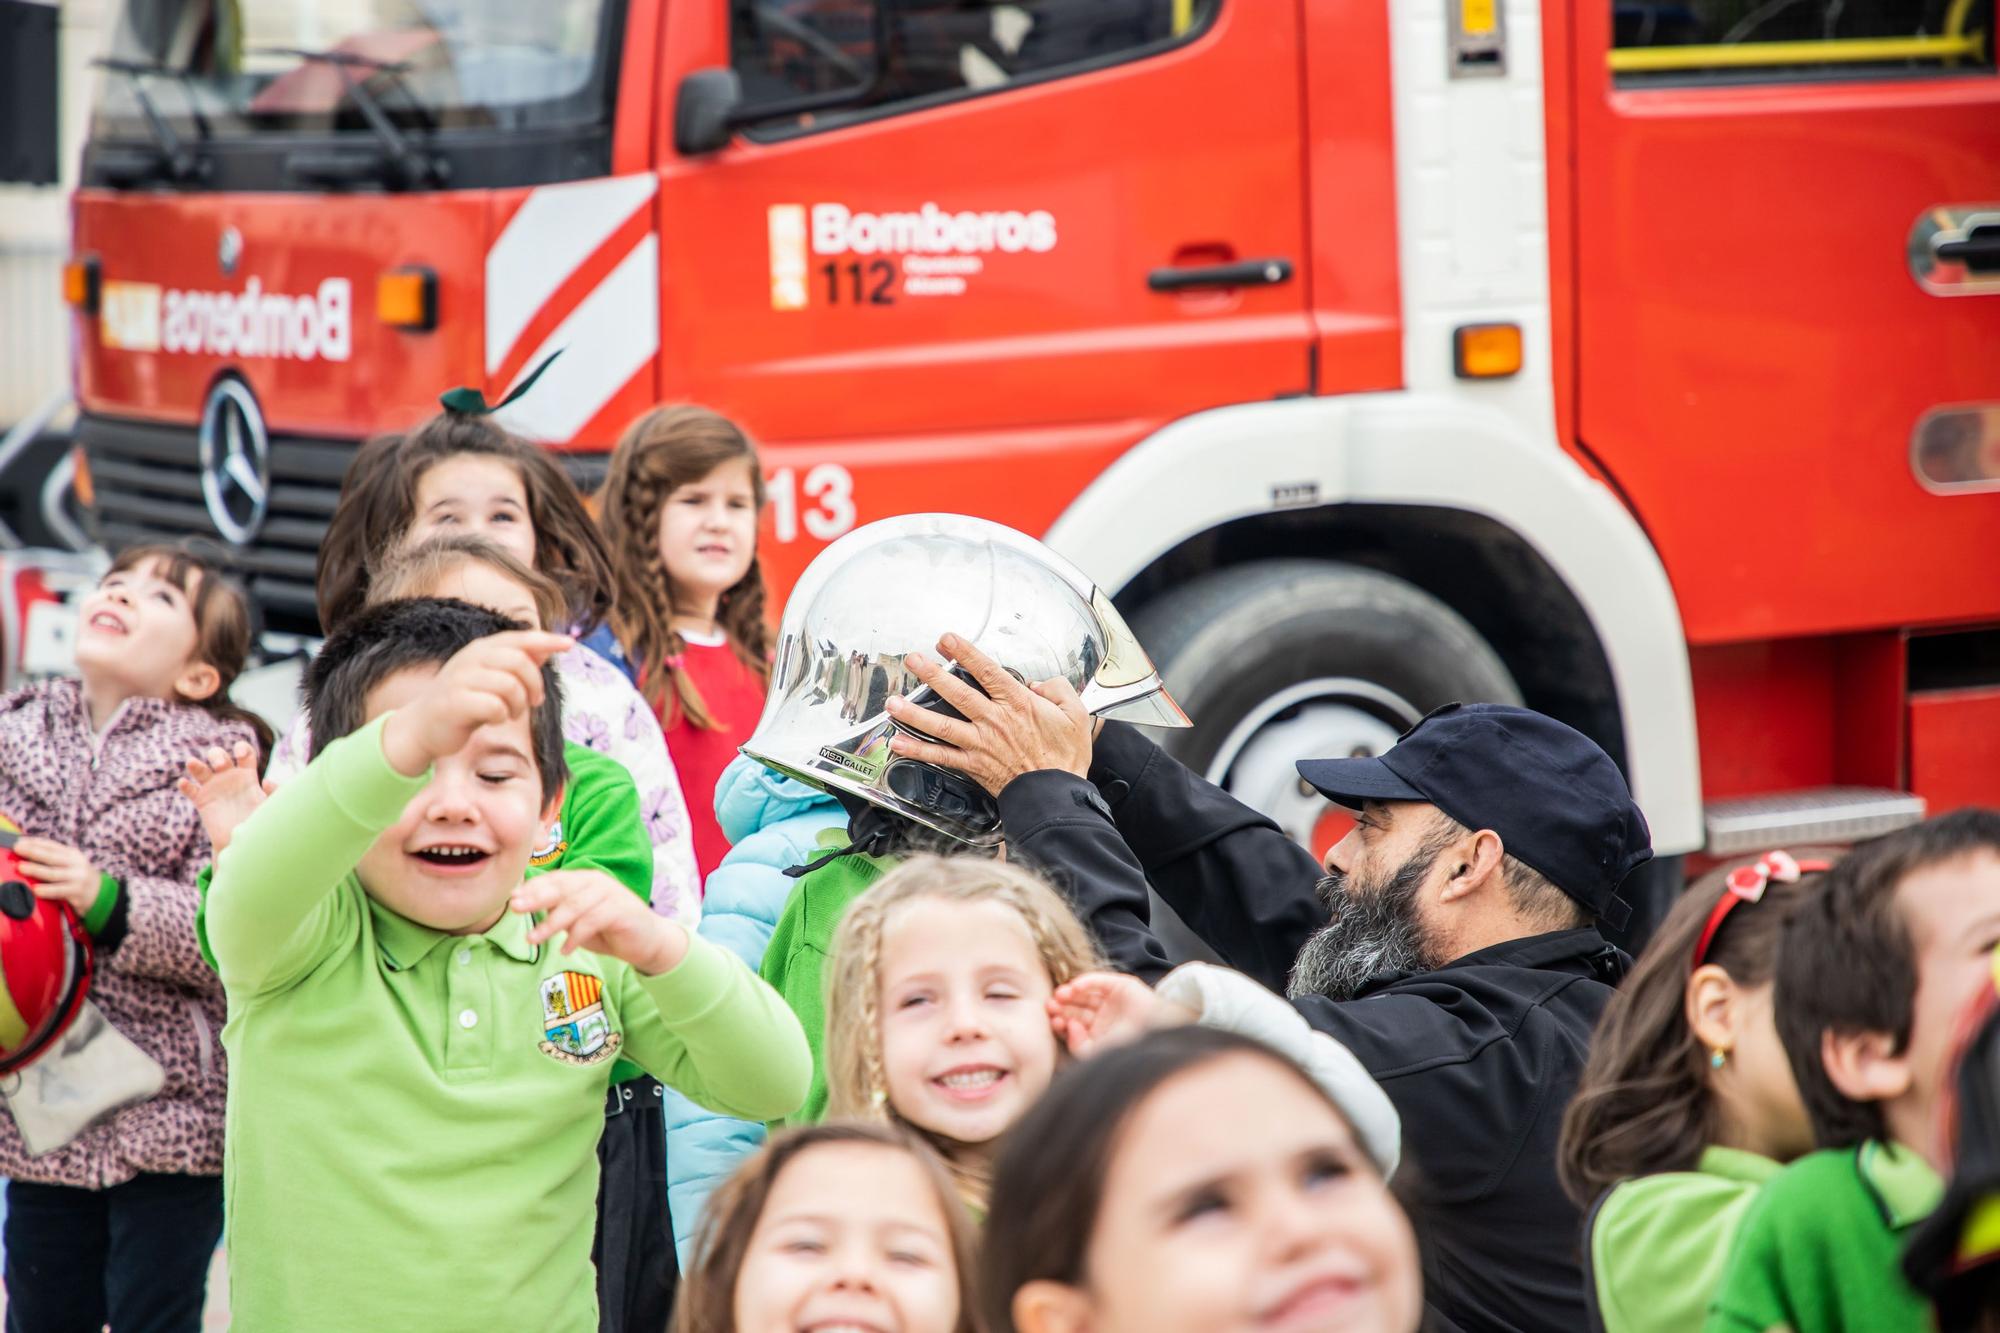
{"x":598,"y":828}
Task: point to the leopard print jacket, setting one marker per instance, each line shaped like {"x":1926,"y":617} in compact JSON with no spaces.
{"x":114,"y":799}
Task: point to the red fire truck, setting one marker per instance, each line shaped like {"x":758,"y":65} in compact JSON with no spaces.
{"x":1632,"y":358}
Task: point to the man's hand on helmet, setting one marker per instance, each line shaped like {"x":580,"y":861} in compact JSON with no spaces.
{"x":1009,"y":730}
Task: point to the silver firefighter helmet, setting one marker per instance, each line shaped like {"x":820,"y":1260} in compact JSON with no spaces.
{"x":897,"y":586}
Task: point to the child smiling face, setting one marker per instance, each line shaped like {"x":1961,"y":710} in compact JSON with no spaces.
{"x":1238,"y":1199}
{"x":966,"y":1042}
{"x":852,"y":1237}
{"x":138,"y":632}
{"x":463,"y":842}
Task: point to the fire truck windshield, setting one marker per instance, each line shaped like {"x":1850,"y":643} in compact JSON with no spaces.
{"x":379,"y":81}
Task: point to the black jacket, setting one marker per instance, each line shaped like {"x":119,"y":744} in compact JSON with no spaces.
{"x":1480,"y":1056}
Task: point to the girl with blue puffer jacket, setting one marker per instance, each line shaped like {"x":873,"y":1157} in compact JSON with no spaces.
{"x":773,"y":823}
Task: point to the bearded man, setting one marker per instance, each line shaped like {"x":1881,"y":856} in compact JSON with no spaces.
{"x":1451,"y":943}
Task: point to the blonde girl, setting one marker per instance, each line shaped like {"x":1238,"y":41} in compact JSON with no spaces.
{"x":679,"y":512}
{"x":937,"y":1004}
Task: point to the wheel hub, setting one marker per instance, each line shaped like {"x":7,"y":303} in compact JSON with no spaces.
{"x":1318,"y":719}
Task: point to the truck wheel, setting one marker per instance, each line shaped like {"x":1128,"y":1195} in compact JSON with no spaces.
{"x":1285,"y":660}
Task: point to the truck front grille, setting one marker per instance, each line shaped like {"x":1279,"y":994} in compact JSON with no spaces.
{"x":148,"y":489}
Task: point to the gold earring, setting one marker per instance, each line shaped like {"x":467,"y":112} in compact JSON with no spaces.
{"x":1718,"y":1057}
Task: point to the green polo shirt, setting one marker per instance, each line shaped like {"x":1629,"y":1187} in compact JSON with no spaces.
{"x":413,"y":1117}
{"x":1821,"y":1249}
{"x":598,"y":828}
{"x":1659,"y":1243}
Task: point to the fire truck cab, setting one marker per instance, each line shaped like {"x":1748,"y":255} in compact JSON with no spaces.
{"x":1633,"y":358}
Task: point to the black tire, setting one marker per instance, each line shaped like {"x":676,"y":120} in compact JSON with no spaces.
{"x":1232,"y":639}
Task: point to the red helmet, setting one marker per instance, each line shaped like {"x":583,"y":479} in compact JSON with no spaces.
{"x":45,"y":962}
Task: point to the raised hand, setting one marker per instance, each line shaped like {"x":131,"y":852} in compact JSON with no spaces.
{"x":1100,"y":1009}
{"x":59,"y":871}
{"x":225,"y":789}
{"x":488,"y":681}
{"x":593,"y":911}
{"x":1009,"y":730}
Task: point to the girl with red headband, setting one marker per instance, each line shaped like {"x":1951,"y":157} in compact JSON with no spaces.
{"x":1687,"y":1104}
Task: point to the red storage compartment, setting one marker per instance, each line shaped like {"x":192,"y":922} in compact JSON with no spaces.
{"x":1955,"y":747}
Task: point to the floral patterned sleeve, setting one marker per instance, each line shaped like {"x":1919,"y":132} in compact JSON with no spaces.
{"x":602,"y":710}
{"x":289,"y":751}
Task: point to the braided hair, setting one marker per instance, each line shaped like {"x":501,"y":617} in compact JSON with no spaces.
{"x":666,"y":449}
{"x":856,"y":1075}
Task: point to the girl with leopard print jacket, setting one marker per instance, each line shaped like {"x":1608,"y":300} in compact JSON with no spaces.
{"x":120,"y":1222}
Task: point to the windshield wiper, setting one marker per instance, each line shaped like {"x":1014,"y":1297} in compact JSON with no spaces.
{"x":406,"y":163}
{"x":181,"y":162}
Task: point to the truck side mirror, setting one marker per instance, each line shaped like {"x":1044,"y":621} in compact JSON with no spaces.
{"x":705,"y":110}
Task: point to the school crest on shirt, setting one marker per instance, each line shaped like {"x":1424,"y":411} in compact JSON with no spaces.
{"x":551,"y":851}
{"x":574,"y":1028}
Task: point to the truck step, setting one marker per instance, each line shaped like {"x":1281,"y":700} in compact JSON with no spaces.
{"x":1800,"y":818}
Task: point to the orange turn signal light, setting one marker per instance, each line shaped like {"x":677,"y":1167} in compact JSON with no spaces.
{"x":406,"y":298}
{"x":80,"y":480}
{"x":1486,"y":351}
{"x":82,"y":286}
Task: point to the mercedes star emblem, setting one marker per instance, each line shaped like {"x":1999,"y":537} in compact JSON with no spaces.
{"x":229,"y":250}
{"x":235,"y":461}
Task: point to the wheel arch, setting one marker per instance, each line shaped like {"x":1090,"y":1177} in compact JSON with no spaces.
{"x":1542,"y":560}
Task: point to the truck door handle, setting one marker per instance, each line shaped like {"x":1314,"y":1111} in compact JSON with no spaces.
{"x":1978,"y":249}
{"x":1244,"y":273}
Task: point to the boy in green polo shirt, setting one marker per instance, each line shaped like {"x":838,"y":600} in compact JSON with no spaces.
{"x":419,"y":1040}
{"x":1872,"y":971}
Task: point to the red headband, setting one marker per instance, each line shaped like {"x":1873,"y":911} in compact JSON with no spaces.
{"x":1746,"y":884}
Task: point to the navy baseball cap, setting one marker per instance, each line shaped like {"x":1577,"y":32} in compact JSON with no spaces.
{"x":1555,"y":798}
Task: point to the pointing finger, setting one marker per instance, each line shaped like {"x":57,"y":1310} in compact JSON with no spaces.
{"x":537,"y":644}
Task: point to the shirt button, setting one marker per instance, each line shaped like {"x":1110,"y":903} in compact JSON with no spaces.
{"x":466,"y":1018}
{"x":464,"y":957}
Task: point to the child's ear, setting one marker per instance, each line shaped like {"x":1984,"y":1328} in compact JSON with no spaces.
{"x":1865,"y":1066}
{"x":198,"y":682}
{"x":1043,"y":1306}
{"x":1711,"y":1008}
{"x":552,"y":808}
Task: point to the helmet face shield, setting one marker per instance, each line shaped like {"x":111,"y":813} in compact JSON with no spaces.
{"x":896,"y":587}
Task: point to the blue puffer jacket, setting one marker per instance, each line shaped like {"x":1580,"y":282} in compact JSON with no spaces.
{"x":773,"y":823}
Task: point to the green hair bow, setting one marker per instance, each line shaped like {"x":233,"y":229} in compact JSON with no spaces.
{"x":473,"y":403}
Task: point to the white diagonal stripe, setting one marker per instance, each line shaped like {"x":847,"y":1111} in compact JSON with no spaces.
{"x":605,"y":341}
{"x":556,"y":230}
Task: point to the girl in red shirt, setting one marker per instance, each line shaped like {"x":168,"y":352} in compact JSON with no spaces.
{"x":679,"y":510}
